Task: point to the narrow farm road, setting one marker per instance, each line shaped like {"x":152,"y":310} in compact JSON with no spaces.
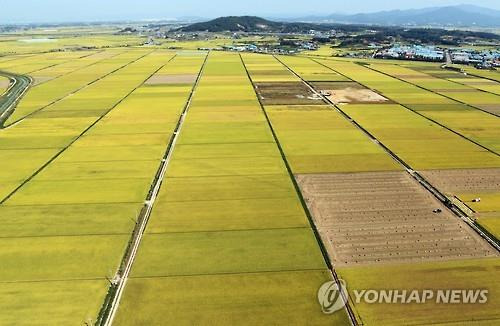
{"x":9,"y":99}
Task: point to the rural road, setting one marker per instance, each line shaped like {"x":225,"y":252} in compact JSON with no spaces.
{"x":18,"y":87}
{"x":448,"y":57}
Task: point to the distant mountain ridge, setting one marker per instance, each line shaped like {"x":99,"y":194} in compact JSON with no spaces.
{"x":455,"y":16}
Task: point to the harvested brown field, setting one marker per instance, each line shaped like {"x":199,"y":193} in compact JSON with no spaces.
{"x":171,"y":79}
{"x":385,"y":217}
{"x":349,"y":92}
{"x":464,"y":180}
{"x":286,"y":93}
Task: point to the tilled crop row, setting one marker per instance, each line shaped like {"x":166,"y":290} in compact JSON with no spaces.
{"x":369,"y":220}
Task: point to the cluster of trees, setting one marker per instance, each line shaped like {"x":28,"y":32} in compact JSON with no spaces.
{"x":418,"y":35}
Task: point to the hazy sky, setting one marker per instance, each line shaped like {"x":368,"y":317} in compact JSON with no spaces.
{"x":92,"y":10}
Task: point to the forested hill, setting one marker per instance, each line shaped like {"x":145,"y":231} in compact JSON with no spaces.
{"x":251,"y":24}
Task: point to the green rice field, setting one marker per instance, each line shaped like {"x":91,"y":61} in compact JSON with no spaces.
{"x":184,"y":144}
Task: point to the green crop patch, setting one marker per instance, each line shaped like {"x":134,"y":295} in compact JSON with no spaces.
{"x":340,"y":163}
{"x":421,"y":143}
{"x":229,"y":132}
{"x":220,"y":215}
{"x":450,"y":160}
{"x":452,"y":108}
{"x":462,"y":274}
{"x":418,"y":97}
{"x":321,"y":141}
{"x":227,"y":252}
{"x":60,"y":257}
{"x":233,"y":299}
{"x":89,"y":115}
{"x":248,"y":150}
{"x":228,"y":187}
{"x":330,"y":147}
{"x":474,"y":98}
{"x":152,"y":115}
{"x":311,"y":70}
{"x":114,"y":153}
{"x":40,"y":141}
{"x":491,"y":222}
{"x":125,"y":127}
{"x":267,"y":69}
{"x":478,"y":83}
{"x":52,"y":220}
{"x":300,"y":136}
{"x":226,"y":116}
{"x":490,"y":201}
{"x":37,"y":125}
{"x":15,"y":164}
{"x":7,"y":187}
{"x":28,"y":303}
{"x":82,"y":192}
{"x":290,"y":118}
{"x":122,"y":140}
{"x":226,"y":166}
{"x":214,"y":105}
{"x":99,"y":170}
{"x":431,"y":146}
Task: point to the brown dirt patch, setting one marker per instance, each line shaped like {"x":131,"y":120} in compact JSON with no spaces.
{"x":171,"y":79}
{"x":349,"y":92}
{"x":286,"y":93}
{"x":353,"y":95}
{"x":464,"y":180}
{"x":385,"y":217}
{"x":4,"y":83}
